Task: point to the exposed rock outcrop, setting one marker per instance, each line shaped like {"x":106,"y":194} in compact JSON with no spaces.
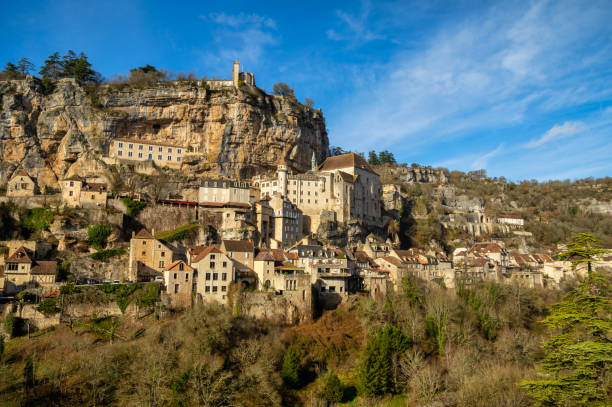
{"x":230,"y":131}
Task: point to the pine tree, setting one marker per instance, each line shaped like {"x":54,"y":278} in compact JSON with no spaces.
{"x":579,"y":353}
{"x":11,"y":71}
{"x":583,"y":248}
{"x":373,"y":158}
{"x":333,"y":389}
{"x":52,"y":68}
{"x":292,"y":363}
{"x":25,"y":66}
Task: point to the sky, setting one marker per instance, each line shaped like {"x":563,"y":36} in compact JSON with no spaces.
{"x":522,"y":89}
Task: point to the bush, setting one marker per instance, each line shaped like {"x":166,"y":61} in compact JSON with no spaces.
{"x":27,"y":296}
{"x":282,"y":89}
{"x":98,"y":235}
{"x":133,"y":207}
{"x":37,"y":219}
{"x":333,"y":390}
{"x":48,"y":306}
{"x":14,"y":326}
{"x":104,"y":255}
{"x":292,"y":366}
{"x":69,"y":289}
{"x":63,"y":269}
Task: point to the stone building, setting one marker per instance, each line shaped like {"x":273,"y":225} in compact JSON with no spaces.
{"x":148,"y":257}
{"x":224,"y":191}
{"x":160,"y":153}
{"x":179,"y":282}
{"x":343,"y":186}
{"x":22,"y":271}
{"x":239,"y":250}
{"x":512,"y":220}
{"x":287,"y":227}
{"x":215,"y":273}
{"x":20,"y":184}
{"x":77,"y":193}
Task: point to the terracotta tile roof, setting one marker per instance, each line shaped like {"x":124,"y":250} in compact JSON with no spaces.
{"x":206,"y":252}
{"x":148,"y":142}
{"x":500,"y":216}
{"x":21,"y":173}
{"x":238,"y":245}
{"x":393,"y":260}
{"x":487,"y":247}
{"x":174,"y":266}
{"x":144,"y":234}
{"x":345,"y":161}
{"x":19,"y":256}
{"x":45,"y":268}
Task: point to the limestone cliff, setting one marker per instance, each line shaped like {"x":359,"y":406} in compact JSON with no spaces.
{"x":233,"y":132}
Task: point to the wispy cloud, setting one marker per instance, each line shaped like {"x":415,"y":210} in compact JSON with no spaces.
{"x":355,"y":28}
{"x":240,"y":36}
{"x":478,"y":78}
{"x":557,"y":132}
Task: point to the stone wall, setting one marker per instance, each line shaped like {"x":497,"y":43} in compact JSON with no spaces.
{"x":289,"y":308}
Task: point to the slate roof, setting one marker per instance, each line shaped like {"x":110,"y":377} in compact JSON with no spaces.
{"x":344,"y":161}
{"x":44,"y":268}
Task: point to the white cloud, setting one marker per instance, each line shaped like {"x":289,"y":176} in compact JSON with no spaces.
{"x":483,"y":161}
{"x":557,"y":132}
{"x":241,"y":20}
{"x":357,"y":28}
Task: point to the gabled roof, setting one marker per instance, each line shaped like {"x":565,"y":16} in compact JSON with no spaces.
{"x":73,"y":178}
{"x":20,"y":173}
{"x":100,"y":187}
{"x":275,"y":254}
{"x":19,"y":256}
{"x":345,"y":161}
{"x":174,"y":266}
{"x":393,"y":260}
{"x":144,"y":234}
{"x":206,"y":252}
{"x":346,"y":177}
{"x":238,"y":245}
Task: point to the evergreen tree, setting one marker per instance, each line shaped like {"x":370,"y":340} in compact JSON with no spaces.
{"x":386,"y":157}
{"x":292,"y":365}
{"x":25,"y":66}
{"x":52,"y":68}
{"x":578,"y":356}
{"x":373,"y":158}
{"x":583,"y":248}
{"x":333,"y":390}
{"x":376,"y":373}
{"x":11,"y":71}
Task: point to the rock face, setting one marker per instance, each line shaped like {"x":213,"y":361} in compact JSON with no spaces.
{"x":417,"y":174}
{"x":233,"y":132}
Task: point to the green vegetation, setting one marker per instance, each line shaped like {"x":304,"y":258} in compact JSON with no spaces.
{"x":63,"y":269}
{"x":7,"y":222}
{"x":333,"y":390}
{"x":578,"y":357}
{"x":104,"y":255}
{"x":14,"y":326}
{"x":282,"y":89}
{"x":384,"y":157}
{"x":68,"y":289}
{"x":180,"y":233}
{"x":48,"y":306}
{"x":583,"y":248}
{"x":37,"y":219}
{"x":69,"y":66}
{"x":291,"y":371}
{"x":133,"y":207}
{"x":144,"y":294}
{"x":97,"y":235}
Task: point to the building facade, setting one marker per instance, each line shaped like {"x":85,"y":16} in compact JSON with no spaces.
{"x":148,"y":257}
{"x":20,"y":184}
{"x":161,"y":154}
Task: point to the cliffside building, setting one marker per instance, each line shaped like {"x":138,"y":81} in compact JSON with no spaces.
{"x":20,"y":185}
{"x":342,"y":188}
{"x":148,"y":257}
{"x":23,"y":271}
{"x":77,"y":193}
{"x":159,"y":153}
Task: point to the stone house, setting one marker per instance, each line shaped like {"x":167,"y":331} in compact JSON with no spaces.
{"x":395,"y":268}
{"x":77,"y":193}
{"x":270,"y":262}
{"x":223,"y":190}
{"x":20,"y":185}
{"x":287,"y":227}
{"x":148,"y":257}
{"x":22,"y":271}
{"x":239,"y":250}
{"x":179,"y":283}
{"x":215,"y":273}
{"x":512,"y":220}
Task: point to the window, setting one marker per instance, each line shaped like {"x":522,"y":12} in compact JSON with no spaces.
{"x":224,"y":264}
{"x":178,"y":158}
{"x":208,"y":276}
{"x":207,"y":289}
{"x":131,"y":146}
{"x":332,"y":289}
{"x":163,"y":254}
{"x":224,"y":276}
{"x":120,"y":152}
{"x":174,"y":276}
{"x":150,"y":148}
{"x":13,"y":266}
{"x":150,"y":156}
{"x":178,"y":151}
{"x":169,"y":150}
{"x":214,"y":289}
{"x":176,"y":288}
{"x":212,"y":256}
{"x":140,"y":147}
{"x":186,"y":276}
{"x":169,"y":158}
{"x":120,"y":144}
{"x":159,"y":157}
{"x":161,"y":264}
{"x":70,"y":193}
{"x":224,"y":288}
{"x":129,"y":153}
{"x":181,"y":266}
{"x":139,"y":155}
{"x":215,"y":276}
{"x":160,"y":149}
{"x":212,"y":264}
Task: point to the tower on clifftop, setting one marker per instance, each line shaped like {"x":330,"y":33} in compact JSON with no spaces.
{"x":236,"y":73}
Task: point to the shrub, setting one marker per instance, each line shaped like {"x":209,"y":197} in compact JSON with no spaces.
{"x":333,"y":390}
{"x":292,"y":366}
{"x":48,"y":306}
{"x":282,"y":89}
{"x":14,"y":326}
{"x":26,"y":296}
{"x":104,"y":255}
{"x":37,"y":219}
{"x":98,"y":235}
{"x":69,"y":289}
{"x":63,"y":269}
{"x":133,"y":207}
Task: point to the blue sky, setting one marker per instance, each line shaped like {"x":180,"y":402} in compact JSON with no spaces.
{"x":523,"y":89}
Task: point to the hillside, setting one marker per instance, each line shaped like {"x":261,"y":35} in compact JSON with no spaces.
{"x":236,"y":131}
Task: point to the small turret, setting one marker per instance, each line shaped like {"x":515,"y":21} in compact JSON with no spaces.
{"x":314,"y":162}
